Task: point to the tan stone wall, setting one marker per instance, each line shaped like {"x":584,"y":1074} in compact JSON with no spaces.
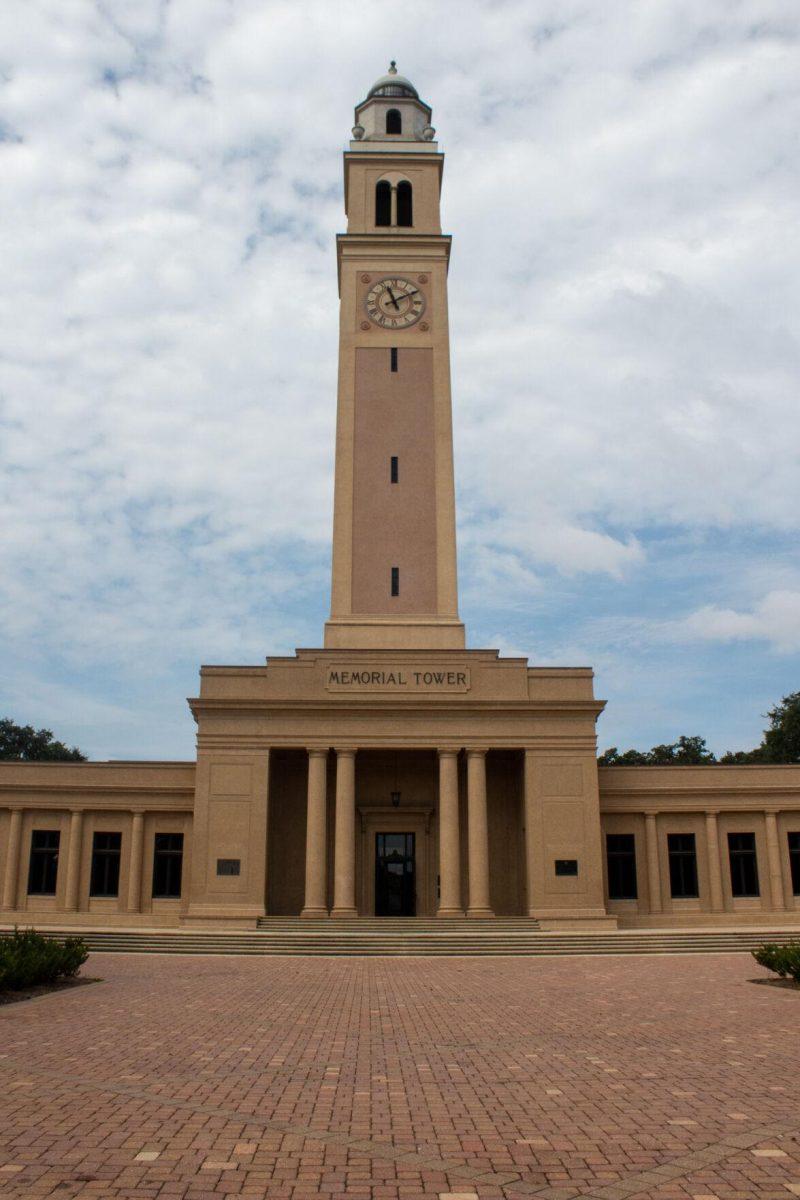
{"x":394,"y":524}
{"x":230,"y":823}
{"x":710,"y":802}
{"x":362,"y":172}
{"x":136,"y":800}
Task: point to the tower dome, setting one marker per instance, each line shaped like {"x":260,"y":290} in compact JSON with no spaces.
{"x":392,"y":109}
{"x":392,"y":84}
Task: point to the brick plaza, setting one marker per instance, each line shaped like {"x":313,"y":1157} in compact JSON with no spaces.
{"x":198,"y":1077}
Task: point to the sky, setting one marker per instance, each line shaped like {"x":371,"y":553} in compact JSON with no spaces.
{"x":622,"y":183}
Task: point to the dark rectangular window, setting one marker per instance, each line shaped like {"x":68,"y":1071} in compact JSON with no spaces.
{"x":43,"y":869}
{"x":106,"y":850}
{"x":393,"y":358}
{"x":566,"y":866}
{"x":167,"y":865}
{"x":682,"y":865}
{"x":395,"y":581}
{"x":621,"y":859}
{"x":794,"y":861}
{"x":744,"y":864}
{"x":393,"y":469}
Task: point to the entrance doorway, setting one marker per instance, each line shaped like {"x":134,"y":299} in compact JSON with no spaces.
{"x":395,"y":884}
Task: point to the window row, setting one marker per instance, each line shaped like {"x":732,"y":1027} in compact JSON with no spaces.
{"x":106,"y":855}
{"x":682,"y":853}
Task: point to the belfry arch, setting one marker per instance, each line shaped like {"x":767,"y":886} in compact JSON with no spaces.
{"x":394,"y":202}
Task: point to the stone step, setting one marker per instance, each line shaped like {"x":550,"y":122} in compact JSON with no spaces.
{"x":299,"y":942}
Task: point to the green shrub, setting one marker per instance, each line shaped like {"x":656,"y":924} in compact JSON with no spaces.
{"x":28,"y":959}
{"x":782,"y":959}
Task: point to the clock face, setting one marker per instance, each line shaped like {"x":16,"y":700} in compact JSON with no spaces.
{"x":394,"y":303}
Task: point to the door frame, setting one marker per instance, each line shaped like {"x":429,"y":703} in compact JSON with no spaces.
{"x":396,"y":820}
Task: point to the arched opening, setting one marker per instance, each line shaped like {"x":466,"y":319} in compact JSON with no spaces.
{"x":404,"y":211}
{"x":394,"y":122}
{"x":383,"y":203}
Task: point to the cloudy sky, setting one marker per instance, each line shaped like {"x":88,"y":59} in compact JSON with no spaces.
{"x":622,"y":184}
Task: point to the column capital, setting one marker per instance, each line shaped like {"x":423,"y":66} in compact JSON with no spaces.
{"x":651,"y":814}
{"x":317,"y":751}
{"x":345,"y":750}
{"x":448,"y":751}
{"x":711,"y":812}
{"x":477,"y":751}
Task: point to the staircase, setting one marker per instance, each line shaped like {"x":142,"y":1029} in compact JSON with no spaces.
{"x":425,"y":938}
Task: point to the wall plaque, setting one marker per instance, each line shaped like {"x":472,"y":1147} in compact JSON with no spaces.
{"x":229,"y":866}
{"x":410,"y":679}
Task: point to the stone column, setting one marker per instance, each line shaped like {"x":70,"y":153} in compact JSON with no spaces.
{"x":11,"y":878}
{"x":714,"y":869}
{"x":449,"y":842}
{"x":477,"y":835}
{"x":393,"y":213}
{"x":774,"y":863}
{"x":531,"y":824}
{"x":653,"y":864}
{"x":135,"y":864}
{"x":316,"y":835}
{"x":344,"y":870}
{"x":74,"y":855}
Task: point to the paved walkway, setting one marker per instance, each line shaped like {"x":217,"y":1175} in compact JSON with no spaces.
{"x":598,"y":1077}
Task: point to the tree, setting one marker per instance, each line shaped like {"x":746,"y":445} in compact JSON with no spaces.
{"x":630,"y":758}
{"x":686,"y":752}
{"x":23,"y":743}
{"x":781,"y":742}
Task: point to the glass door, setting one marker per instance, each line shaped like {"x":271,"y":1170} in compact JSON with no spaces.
{"x":395,"y":885}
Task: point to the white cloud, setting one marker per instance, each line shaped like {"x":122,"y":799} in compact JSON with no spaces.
{"x":774,"y":619}
{"x":623,"y":193}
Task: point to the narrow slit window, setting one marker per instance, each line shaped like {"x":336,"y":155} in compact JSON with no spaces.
{"x":395,"y":581}
{"x":393,"y":358}
{"x":393,"y":469}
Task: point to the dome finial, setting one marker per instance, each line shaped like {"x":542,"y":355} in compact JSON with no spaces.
{"x":393,"y":67}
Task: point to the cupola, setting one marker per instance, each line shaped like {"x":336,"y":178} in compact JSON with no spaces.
{"x":393,"y":112}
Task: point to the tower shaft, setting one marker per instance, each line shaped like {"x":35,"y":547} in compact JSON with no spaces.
{"x":394,"y":581}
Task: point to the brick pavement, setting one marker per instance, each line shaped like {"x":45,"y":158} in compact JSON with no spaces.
{"x":669,"y":1077}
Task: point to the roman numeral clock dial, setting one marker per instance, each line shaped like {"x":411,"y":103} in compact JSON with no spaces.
{"x":394,"y":303}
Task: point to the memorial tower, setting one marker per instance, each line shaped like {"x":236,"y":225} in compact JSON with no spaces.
{"x":394,"y":580}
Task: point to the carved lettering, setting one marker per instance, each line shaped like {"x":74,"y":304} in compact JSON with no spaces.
{"x":393,"y":679}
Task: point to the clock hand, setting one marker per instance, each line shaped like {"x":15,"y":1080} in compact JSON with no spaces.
{"x":406,"y":295}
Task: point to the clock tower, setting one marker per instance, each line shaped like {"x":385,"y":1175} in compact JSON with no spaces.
{"x":394,"y":582}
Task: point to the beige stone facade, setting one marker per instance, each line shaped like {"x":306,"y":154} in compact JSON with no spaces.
{"x":393,"y":771}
